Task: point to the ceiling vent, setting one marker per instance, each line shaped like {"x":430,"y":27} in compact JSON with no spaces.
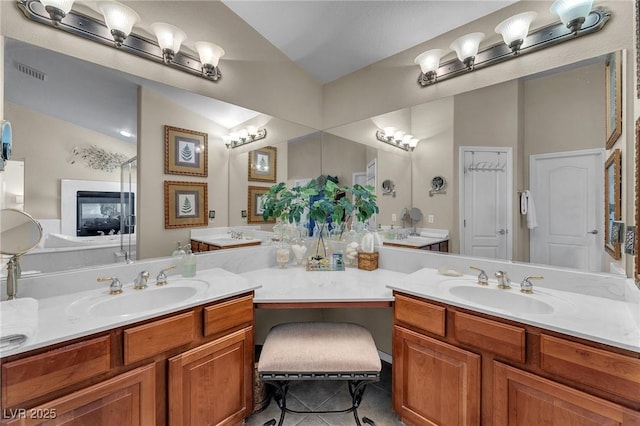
{"x":31,"y":72}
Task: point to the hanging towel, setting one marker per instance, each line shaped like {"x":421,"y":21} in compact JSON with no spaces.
{"x":532,"y":221}
{"x":18,"y":317}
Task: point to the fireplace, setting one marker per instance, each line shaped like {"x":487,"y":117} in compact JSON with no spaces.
{"x":99,"y":213}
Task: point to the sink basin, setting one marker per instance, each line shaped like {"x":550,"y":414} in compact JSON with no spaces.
{"x":133,"y":302}
{"x":505,"y":300}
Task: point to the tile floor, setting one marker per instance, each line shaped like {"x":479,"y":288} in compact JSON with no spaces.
{"x":333,"y":395}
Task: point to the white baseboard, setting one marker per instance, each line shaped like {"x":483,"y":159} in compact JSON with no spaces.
{"x":385,"y":357}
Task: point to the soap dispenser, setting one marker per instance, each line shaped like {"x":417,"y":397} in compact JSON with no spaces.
{"x":188,"y":263}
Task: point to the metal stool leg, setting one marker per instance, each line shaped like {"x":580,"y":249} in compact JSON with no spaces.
{"x":281,"y":399}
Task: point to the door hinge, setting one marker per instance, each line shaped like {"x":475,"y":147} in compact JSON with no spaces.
{"x":464,"y":223}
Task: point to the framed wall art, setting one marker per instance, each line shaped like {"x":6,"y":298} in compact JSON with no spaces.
{"x":185,"y":204}
{"x":613,"y":85}
{"x":185,"y":152}
{"x":262,"y":164}
{"x":613,"y":203}
{"x":254,"y":204}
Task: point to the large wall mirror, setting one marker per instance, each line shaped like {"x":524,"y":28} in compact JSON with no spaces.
{"x":558,"y":111}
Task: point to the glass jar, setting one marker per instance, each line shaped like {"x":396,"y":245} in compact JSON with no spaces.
{"x":352,"y":245}
{"x":282,"y":254}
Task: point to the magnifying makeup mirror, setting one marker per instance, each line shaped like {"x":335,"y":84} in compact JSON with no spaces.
{"x":19,"y":234}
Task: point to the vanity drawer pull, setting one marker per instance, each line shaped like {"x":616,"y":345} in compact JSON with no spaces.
{"x":421,"y":315}
{"x":610,"y":372}
{"x":505,"y":340}
{"x":154,"y":338}
{"x":38,"y":375}
{"x":228,"y":315}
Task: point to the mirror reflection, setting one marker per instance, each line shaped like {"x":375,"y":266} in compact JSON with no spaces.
{"x":560,"y":111}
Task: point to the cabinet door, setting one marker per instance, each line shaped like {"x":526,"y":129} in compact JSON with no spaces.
{"x":125,"y":400}
{"x":213,"y":383}
{"x":434,"y":383}
{"x":524,"y":399}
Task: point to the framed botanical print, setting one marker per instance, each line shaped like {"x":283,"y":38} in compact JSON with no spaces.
{"x":185,"y":204}
{"x":613,"y":85}
{"x":262,"y":164}
{"x":613,"y":203}
{"x":254,"y":204}
{"x":185,"y":152}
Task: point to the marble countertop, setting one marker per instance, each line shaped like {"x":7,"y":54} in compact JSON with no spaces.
{"x":58,"y":321}
{"x":295,"y":284}
{"x":593,"y":318}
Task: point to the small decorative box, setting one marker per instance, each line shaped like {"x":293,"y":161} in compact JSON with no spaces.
{"x":368,"y":261}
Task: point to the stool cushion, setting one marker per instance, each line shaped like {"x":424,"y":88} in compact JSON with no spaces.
{"x":319,"y":347}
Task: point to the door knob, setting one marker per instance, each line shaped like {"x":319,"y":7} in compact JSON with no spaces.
{"x":502,"y":231}
{"x":594,"y":232}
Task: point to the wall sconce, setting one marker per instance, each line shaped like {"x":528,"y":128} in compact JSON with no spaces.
{"x":117,"y":26}
{"x":244,"y":136}
{"x":429,"y":62}
{"x":397,"y":138}
{"x":577,"y":19}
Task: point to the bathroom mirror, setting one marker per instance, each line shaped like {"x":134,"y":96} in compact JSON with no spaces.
{"x":613,"y":203}
{"x":19,"y":232}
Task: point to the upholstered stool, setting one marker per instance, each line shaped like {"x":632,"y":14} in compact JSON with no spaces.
{"x":319,"y":351}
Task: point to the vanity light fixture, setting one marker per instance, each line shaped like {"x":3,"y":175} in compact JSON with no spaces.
{"x":57,"y":9}
{"x":170,"y":39}
{"x":429,"y":62}
{"x":119,"y":18}
{"x":117,"y":26}
{"x":397,"y":138}
{"x":244,"y":136}
{"x":466,"y":48}
{"x":576,"y":20}
{"x":515,"y":29}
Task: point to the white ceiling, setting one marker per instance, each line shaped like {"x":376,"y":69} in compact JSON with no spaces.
{"x":330,"y":39}
{"x":327,"y":38}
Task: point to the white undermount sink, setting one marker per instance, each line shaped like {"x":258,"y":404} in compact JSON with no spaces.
{"x":132,"y":302}
{"x":541,"y":302}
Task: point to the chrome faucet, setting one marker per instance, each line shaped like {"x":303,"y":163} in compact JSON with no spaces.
{"x":161,"y":279}
{"x":483,"y":279}
{"x":115,"y":287}
{"x":141,"y":281}
{"x":504,"y":282}
{"x":526,"y":286}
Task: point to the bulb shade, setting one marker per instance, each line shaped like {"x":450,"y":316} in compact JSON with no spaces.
{"x":118,"y":17}
{"x":169,"y":36}
{"x":252,"y":131}
{"x":243,"y":134}
{"x":413,"y":142}
{"x":429,"y":60}
{"x":467,"y":45}
{"x":406,"y":139}
{"x":63,"y":5}
{"x":209,"y":53}
{"x":389,"y":131}
{"x":569,"y":10}
{"x":516,"y":27}
{"x":398,"y":135}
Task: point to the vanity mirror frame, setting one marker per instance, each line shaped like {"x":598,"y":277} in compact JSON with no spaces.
{"x":613,"y":201}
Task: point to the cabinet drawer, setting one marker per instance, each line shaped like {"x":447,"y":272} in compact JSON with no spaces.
{"x":37,"y":375}
{"x":502,"y":339}
{"x":607,"y":371}
{"x":419,"y":314}
{"x":228,"y":315}
{"x":154,"y":338}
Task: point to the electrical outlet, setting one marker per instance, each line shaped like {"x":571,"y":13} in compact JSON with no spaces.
{"x":394,"y":217}
{"x":431,"y":218}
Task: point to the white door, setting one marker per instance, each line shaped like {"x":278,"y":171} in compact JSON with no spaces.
{"x":568,"y":193}
{"x":485,"y":204}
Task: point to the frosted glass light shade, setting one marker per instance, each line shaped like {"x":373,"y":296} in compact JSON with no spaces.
{"x":243,"y":134}
{"x":406,"y":139}
{"x":64,"y":5}
{"x":571,"y":10}
{"x":210,"y":53}
{"x":169,"y":36}
{"x":389,"y":131}
{"x":252,"y":131}
{"x":119,"y":18}
{"x":398,"y":135}
{"x":413,"y":142}
{"x":430,"y":60}
{"x":516,"y":28}
{"x":467,"y":46}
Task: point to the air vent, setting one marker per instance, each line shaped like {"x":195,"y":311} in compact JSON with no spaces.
{"x":31,"y":72}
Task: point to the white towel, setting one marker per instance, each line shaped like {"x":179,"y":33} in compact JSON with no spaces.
{"x":532,"y":221}
{"x":18,"y":317}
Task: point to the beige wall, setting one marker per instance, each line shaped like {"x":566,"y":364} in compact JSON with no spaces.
{"x":46,"y":144}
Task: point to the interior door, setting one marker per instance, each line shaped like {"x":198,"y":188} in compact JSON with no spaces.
{"x":485,"y":211}
{"x":568,"y":192}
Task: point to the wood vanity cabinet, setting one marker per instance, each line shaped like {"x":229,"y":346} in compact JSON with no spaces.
{"x":192,"y":367}
{"x":452,"y":366}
